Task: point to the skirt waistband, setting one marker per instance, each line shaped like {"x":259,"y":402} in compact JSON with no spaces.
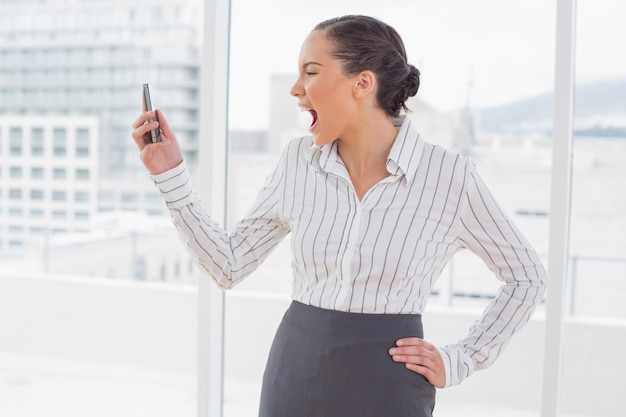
{"x":333,"y":323}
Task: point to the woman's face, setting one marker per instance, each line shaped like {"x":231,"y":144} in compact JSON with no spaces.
{"x":323,"y":90}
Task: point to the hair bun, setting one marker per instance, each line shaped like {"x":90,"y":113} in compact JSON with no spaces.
{"x":412,"y":81}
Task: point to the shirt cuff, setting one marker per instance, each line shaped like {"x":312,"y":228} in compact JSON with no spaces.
{"x":175,"y":186}
{"x":457,"y":364}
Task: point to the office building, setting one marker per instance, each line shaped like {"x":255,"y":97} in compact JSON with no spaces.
{"x":48,"y":177}
{"x":90,"y":58}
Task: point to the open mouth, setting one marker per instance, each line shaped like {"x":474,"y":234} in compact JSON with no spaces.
{"x":313,"y":113}
{"x":314,"y":118}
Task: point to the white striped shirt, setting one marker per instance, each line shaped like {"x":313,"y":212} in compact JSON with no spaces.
{"x":378,"y":255}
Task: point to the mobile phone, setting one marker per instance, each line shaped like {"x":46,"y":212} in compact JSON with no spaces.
{"x":155,"y":134}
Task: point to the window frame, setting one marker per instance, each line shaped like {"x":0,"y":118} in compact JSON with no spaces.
{"x":560,"y":205}
{"x":213,"y":168}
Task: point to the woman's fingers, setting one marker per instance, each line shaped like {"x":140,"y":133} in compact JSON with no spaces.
{"x":142,"y":127}
{"x":163,"y":124}
{"x":421,"y":357}
{"x":160,"y":156}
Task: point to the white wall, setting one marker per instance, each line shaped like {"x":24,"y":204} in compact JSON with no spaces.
{"x":145,"y":325}
{"x":154,"y":326}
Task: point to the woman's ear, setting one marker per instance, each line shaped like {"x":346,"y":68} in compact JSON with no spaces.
{"x":365,"y":84}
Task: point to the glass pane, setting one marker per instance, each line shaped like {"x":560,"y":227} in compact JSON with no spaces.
{"x":486,"y":92}
{"x":598,"y":244}
{"x":89,"y":259}
{"x":595,"y":332}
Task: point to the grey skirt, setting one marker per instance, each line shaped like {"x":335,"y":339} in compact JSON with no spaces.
{"x":326,"y":363}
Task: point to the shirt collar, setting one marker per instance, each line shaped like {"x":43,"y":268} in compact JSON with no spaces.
{"x":406,"y":151}
{"x":403,"y":158}
{"x":323,"y":158}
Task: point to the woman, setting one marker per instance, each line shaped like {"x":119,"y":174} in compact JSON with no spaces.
{"x":375,"y":213}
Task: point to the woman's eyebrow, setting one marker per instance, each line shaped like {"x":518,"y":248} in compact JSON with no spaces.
{"x":306,"y":64}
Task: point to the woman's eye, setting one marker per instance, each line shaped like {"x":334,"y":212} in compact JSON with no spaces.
{"x":310,"y":73}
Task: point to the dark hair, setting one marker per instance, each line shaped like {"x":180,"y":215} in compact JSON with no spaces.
{"x":365,"y":43}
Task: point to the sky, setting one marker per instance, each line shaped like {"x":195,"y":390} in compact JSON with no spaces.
{"x":483,"y":52}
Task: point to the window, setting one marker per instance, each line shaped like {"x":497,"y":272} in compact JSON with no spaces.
{"x":15,"y":172}
{"x":15,"y":212}
{"x":476,"y":57}
{"x":82,"y":174}
{"x":82,"y":142}
{"x":81,"y":216}
{"x":15,"y":244}
{"x":36,"y":194}
{"x":59,"y":173}
{"x":36,"y":172}
{"x":36,"y":213}
{"x":129,"y":197}
{"x":59,"y":195}
{"x":597,"y":245}
{"x":81,"y":196}
{"x":15,"y":140}
{"x":463,"y":95}
{"x":59,"y":142}
{"x":152,"y":197}
{"x":37,"y":141}
{"x":15,"y":194}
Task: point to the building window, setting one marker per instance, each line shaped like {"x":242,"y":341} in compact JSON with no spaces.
{"x":15,"y":212}
{"x":59,"y":142}
{"x":81,"y":196}
{"x":15,"y":172}
{"x":15,"y":194}
{"x":82,"y":174}
{"x":36,"y":213}
{"x":36,"y":172}
{"x":36,"y":141}
{"x":163,"y":272}
{"x":15,"y":141}
{"x":59,"y":173}
{"x":177,"y":269}
{"x":153,"y":198}
{"x":81,"y":216}
{"x":129,"y":197}
{"x":36,"y":194}
{"x":59,"y":214}
{"x":59,"y":195}
{"x":82,"y":142}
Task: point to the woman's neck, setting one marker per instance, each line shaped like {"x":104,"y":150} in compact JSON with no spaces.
{"x":365,"y":151}
{"x":368,"y":145}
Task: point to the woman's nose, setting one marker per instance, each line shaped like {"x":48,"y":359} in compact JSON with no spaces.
{"x":296,"y":89}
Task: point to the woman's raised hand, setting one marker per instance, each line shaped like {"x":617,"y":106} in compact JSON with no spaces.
{"x":160,"y":156}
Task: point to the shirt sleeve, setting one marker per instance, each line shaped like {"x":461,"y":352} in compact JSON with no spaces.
{"x":489,"y":233}
{"x":226,"y":257}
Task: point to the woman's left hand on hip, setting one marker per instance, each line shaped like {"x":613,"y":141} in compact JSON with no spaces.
{"x":421,"y":357}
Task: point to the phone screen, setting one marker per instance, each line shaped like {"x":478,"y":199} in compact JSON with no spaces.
{"x":155,"y":135}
